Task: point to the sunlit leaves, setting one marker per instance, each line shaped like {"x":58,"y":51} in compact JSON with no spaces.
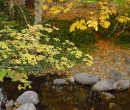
{"x":50,"y":1}
{"x":79,"y":25}
{"x":58,"y":7}
{"x":105,"y":24}
{"x":93,"y":23}
{"x":44,"y":7}
{"x":123,"y":19}
{"x":66,"y":10}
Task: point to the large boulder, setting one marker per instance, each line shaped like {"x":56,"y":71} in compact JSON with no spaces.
{"x":105,"y":85}
{"x":28,"y":97}
{"x":85,"y":78}
{"x":115,"y":74}
{"x":123,"y":84}
{"x":27,"y":106}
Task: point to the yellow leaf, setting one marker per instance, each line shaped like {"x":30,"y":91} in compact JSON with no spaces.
{"x":61,"y":0}
{"x":44,"y":7}
{"x":56,"y":11}
{"x":50,"y":1}
{"x":106,"y":24}
{"x":120,"y":19}
{"x":83,"y":27}
{"x":43,"y":1}
{"x":66,"y":10}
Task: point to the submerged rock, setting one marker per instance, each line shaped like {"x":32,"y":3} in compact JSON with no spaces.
{"x":85,"y":78}
{"x":123,"y":84}
{"x":27,"y":106}
{"x":60,"y":81}
{"x":28,"y":97}
{"x":115,"y":74}
{"x":105,"y":85}
{"x":107,"y":95}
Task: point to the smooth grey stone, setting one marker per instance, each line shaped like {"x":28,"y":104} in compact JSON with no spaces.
{"x":71,"y":79}
{"x":60,"y":81}
{"x":85,"y":78}
{"x":27,"y":106}
{"x":28,"y":97}
{"x":115,"y":74}
{"x":123,"y":84}
{"x":105,"y":85}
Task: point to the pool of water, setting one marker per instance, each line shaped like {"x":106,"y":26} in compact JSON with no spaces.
{"x":68,"y":97}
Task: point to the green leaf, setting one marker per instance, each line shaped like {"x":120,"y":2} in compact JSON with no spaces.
{"x":2,"y":74}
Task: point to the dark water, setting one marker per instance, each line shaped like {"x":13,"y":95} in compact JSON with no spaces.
{"x":68,"y":97}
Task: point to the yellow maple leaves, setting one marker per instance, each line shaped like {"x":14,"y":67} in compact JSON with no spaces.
{"x":123,"y":19}
{"x":44,"y":7}
{"x":93,"y":23}
{"x":79,"y":25}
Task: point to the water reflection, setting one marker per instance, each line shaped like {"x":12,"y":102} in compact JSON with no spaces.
{"x":70,"y":96}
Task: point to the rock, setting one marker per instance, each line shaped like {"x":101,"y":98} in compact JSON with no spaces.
{"x":115,"y":74}
{"x":28,"y":97}
{"x":105,"y":85}
{"x":3,"y":99}
{"x":9,"y":104}
{"x":123,"y":84}
{"x":71,"y":79}
{"x":27,"y":106}
{"x":60,"y":81}
{"x":85,"y":78}
{"x":107,"y":95}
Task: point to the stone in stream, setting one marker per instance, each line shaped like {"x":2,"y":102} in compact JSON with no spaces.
{"x":28,"y":97}
{"x":26,"y":106}
{"x":123,"y":84}
{"x":59,"y":81}
{"x":85,"y":78}
{"x":107,"y":95}
{"x":71,"y":79}
{"x":115,"y":74}
{"x":105,"y":85}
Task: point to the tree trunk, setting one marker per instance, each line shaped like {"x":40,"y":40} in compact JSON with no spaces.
{"x":38,"y":11}
{"x":11,"y":8}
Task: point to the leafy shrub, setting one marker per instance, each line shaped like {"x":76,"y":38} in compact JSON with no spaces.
{"x":6,"y":21}
{"x":80,"y":38}
{"x":22,"y":53}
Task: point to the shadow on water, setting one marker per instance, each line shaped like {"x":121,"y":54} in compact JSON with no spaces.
{"x":68,"y":97}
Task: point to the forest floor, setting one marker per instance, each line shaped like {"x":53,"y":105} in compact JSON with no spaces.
{"x":108,"y":55}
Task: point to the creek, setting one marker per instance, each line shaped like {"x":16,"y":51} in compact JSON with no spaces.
{"x":67,"y":97}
